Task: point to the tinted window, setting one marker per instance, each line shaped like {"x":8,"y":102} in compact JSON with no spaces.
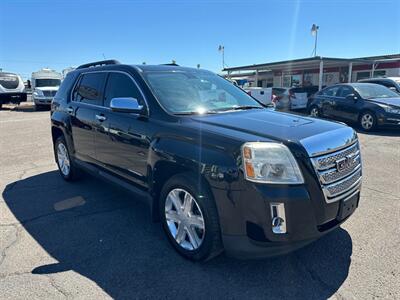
{"x":330,"y":91}
{"x":47,"y":82}
{"x":345,"y":91}
{"x":121,"y":85}
{"x":90,"y":88}
{"x":386,"y":83}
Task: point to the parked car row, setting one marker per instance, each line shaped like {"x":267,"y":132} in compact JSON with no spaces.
{"x":281,"y":98}
{"x":44,"y":86}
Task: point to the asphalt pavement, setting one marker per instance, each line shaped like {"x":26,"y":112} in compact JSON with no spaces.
{"x":92,"y":240}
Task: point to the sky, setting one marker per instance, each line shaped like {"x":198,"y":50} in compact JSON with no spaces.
{"x":59,"y":33}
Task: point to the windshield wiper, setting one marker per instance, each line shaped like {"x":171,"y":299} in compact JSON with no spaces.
{"x":190,"y":113}
{"x":244,"y":107}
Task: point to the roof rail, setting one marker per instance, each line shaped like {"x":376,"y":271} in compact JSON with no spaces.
{"x":99,"y":63}
{"x":171,"y":64}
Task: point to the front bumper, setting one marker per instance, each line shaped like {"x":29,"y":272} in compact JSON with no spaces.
{"x":12,"y":97}
{"x":305,"y":222}
{"x":246,"y":220}
{"x":389,"y":119}
{"x":42,"y":100}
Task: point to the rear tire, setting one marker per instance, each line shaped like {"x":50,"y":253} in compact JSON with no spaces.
{"x":192,"y":229}
{"x":66,"y":165}
{"x":367,"y":121}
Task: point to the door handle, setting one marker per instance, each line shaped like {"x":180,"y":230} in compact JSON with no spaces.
{"x":101,"y":118}
{"x":70,"y":110}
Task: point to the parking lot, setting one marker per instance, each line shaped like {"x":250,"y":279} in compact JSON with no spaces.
{"x":92,"y":240}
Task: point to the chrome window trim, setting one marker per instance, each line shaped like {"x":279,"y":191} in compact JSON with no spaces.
{"x":108,"y":71}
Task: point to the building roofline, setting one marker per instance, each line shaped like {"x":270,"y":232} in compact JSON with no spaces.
{"x":368,"y":59}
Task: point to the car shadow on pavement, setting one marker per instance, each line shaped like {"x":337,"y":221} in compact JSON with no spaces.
{"x":102,"y":233}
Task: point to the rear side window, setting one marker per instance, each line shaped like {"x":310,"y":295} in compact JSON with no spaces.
{"x":331,"y":91}
{"x":121,"y":85}
{"x":90,"y":88}
{"x":65,"y":87}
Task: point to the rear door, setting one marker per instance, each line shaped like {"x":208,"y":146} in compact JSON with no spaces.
{"x":87,"y":98}
{"x":122,"y":144}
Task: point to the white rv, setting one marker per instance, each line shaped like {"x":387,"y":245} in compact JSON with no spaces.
{"x":12,"y":89}
{"x":45,"y":84}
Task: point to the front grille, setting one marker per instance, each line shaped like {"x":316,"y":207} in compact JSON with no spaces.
{"x":339,"y":172}
{"x":49,"y":93}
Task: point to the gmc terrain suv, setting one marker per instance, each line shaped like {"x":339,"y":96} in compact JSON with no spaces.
{"x":219,"y":170}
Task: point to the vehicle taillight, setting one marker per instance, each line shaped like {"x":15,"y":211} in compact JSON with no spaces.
{"x":275,"y":98}
{"x":292,"y":95}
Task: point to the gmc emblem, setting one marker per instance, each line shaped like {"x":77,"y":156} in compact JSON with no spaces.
{"x":343,"y":163}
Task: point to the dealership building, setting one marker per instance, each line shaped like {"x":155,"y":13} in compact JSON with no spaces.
{"x":315,"y":71}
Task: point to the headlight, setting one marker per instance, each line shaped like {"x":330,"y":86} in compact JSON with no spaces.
{"x":270,"y":163}
{"x":390,"y":109}
{"x":38,"y":93}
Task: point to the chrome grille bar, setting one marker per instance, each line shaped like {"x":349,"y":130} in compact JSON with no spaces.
{"x":339,"y":182}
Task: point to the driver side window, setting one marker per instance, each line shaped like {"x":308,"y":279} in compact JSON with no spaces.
{"x":345,"y":91}
{"x":120,"y":85}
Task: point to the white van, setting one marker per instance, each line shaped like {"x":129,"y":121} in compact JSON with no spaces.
{"x":264,"y":95}
{"x":12,"y":89}
{"x":45,"y":84}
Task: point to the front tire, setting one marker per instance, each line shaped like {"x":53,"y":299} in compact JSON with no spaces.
{"x":66,"y":166}
{"x":315,"y":112}
{"x":189,"y":218}
{"x":367,"y":121}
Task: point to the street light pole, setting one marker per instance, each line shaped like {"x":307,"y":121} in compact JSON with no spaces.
{"x":314,"y":32}
{"x":221,"y":48}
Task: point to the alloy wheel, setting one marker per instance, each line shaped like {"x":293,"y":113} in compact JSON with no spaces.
{"x":184,"y":219}
{"x":367,"y":121}
{"x":314,"y":112}
{"x":63,"y":159}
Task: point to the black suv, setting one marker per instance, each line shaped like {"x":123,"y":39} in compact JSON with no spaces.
{"x":370,"y":105}
{"x":219,"y":170}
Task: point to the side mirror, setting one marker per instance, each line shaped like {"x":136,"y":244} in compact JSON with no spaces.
{"x":127,"y":105}
{"x":392,"y":88}
{"x":352,"y":97}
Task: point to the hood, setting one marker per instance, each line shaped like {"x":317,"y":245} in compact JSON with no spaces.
{"x":47,"y":88}
{"x":267,"y":124}
{"x":388,"y":101}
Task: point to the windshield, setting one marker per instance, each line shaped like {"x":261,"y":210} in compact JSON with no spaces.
{"x":47,"y":82}
{"x":369,"y":91}
{"x":197,"y":92}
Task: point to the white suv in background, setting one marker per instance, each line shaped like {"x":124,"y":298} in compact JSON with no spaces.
{"x":12,"y":89}
{"x":392,"y":83}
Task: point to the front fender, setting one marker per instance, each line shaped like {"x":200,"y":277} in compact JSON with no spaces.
{"x":216,"y":166}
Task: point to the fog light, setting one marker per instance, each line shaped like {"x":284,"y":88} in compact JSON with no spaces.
{"x":278,"y":218}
